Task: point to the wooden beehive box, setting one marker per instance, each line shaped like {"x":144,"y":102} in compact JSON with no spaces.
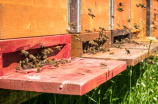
{"x":65,"y":79}
{"x":32,"y":18}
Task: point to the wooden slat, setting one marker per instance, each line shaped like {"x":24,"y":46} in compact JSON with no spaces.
{"x":100,"y":8}
{"x":32,"y":18}
{"x":76,"y":48}
{"x":75,"y":78}
{"x":135,"y":56}
{"x":10,"y":49}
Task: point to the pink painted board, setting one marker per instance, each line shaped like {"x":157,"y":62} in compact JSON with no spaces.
{"x":75,"y":78}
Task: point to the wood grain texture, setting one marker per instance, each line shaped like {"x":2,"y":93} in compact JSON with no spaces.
{"x":67,"y":78}
{"x":100,"y":8}
{"x":32,"y":18}
{"x":121,"y":17}
{"x":16,"y":97}
{"x":135,"y":56}
{"x":76,"y":49}
{"x":10,"y":49}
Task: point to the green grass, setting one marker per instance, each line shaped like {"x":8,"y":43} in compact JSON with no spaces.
{"x":136,"y":85}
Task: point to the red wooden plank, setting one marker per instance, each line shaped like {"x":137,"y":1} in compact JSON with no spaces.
{"x":75,"y":78}
{"x":10,"y":49}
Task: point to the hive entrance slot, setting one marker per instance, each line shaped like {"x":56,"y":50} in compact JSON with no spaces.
{"x":11,"y":59}
{"x":119,"y":38}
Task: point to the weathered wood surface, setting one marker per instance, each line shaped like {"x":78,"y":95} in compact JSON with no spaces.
{"x":75,"y":78}
{"x":142,"y":46}
{"x":32,"y":18}
{"x":100,"y":8}
{"x":76,"y":49}
{"x":10,"y":49}
{"x":121,"y":17}
{"x":135,"y":56}
{"x":16,"y":97}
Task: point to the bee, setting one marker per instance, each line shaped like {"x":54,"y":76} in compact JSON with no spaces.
{"x":105,"y":36}
{"x":24,"y":52}
{"x":89,"y":9}
{"x":135,"y":26}
{"x":119,"y":25}
{"x":68,"y":61}
{"x":19,"y":65}
{"x":41,"y":46}
{"x":117,"y":29}
{"x":72,"y":25}
{"x":62,"y":61}
{"x":120,"y":4}
{"x":112,"y":16}
{"x":149,"y":61}
{"x":127,"y":50}
{"x":44,"y":56}
{"x":120,"y":9}
{"x":103,"y":64}
{"x":111,"y":53}
{"x":32,"y":57}
{"x":39,"y":69}
{"x":26,"y":61}
{"x":77,"y":39}
{"x":154,"y":27}
{"x":103,"y":29}
{"x":88,"y":31}
{"x":30,"y":65}
{"x":152,"y":23}
{"x":142,"y":5}
{"x":69,"y":31}
{"x":155,"y":9}
{"x":56,"y":65}
{"x":129,"y":20}
{"x":58,"y":47}
{"x":117,"y":42}
{"x":50,"y":50}
{"x":125,"y":27}
{"x":24,"y":66}
{"x":92,"y":15}
{"x":137,"y":5}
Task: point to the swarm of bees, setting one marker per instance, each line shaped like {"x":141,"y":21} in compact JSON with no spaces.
{"x":38,"y":60}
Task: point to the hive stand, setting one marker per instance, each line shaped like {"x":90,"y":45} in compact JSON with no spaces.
{"x":75,"y":78}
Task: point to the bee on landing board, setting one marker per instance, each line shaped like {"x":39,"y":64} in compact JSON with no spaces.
{"x":127,"y":51}
{"x":103,"y":64}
